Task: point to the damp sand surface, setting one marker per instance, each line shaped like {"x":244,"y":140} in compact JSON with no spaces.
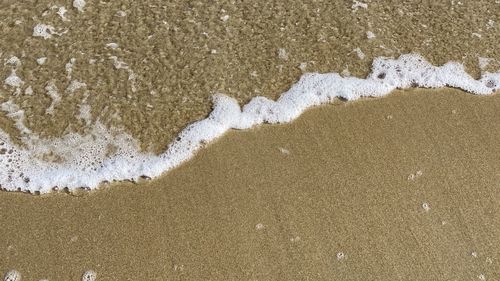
{"x":403,"y":187}
{"x":150,"y":67}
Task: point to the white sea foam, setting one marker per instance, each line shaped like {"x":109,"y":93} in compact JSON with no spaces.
{"x":13,"y":80}
{"x":12,"y":275}
{"x":41,"y":60}
{"x":79,"y":5}
{"x":43,"y":30}
{"x":75,"y":85}
{"x":76,"y":161}
{"x":89,"y":276}
{"x":53,"y":93}
{"x":15,"y":113}
{"x":14,"y":61}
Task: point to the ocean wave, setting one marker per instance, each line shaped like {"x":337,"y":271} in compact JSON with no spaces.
{"x":104,"y":155}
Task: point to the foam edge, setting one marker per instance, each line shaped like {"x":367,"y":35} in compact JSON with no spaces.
{"x":22,"y":171}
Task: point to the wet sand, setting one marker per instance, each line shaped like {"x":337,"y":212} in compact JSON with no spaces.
{"x":398,"y":188}
{"x":182,"y":52}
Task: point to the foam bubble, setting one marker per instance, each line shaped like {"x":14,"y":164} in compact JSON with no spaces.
{"x":17,"y":114}
{"x":103,"y":155}
{"x":358,"y":4}
{"x":89,"y":275}
{"x":484,"y":62}
{"x":41,"y":60}
{"x":79,"y":5}
{"x":14,"y":61}
{"x":28,"y":91}
{"x":370,"y":35}
{"x":61,"y":11}
{"x":12,"y":275}
{"x":13,"y":80}
{"x":43,"y":30}
{"x":75,"y":85}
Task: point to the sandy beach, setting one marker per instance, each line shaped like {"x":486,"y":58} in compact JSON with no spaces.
{"x":403,"y":187}
{"x":151,"y":67}
{"x":397,"y":188}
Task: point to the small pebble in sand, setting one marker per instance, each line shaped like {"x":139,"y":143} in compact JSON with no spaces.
{"x":415,"y":176}
{"x":259,"y":226}
{"x":426,"y":206}
{"x":474,"y":254}
{"x":341,"y":256}
{"x":121,"y":14}
{"x":179,"y":267}
{"x":481,"y":277}
{"x":284,"y":151}
{"x":112,"y":45}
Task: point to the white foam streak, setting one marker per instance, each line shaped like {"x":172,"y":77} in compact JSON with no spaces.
{"x":87,"y":162}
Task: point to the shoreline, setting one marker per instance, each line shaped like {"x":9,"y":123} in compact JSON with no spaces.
{"x":96,"y":162}
{"x":153,"y":75}
{"x":328,"y":196}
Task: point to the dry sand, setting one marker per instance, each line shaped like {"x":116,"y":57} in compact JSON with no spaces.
{"x":398,"y":188}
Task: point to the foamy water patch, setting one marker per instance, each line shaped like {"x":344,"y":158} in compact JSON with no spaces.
{"x":76,"y":161}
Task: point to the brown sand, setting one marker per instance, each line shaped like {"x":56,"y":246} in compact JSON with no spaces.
{"x":281,"y":202}
{"x":183,"y":52}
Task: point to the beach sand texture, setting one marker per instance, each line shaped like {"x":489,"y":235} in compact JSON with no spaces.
{"x":170,"y":57}
{"x":397,"y":188}
{"x":404,"y":187}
